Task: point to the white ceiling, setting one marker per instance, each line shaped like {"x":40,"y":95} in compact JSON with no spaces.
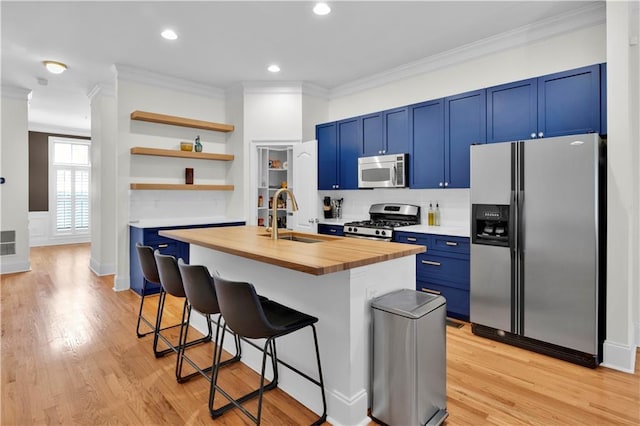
{"x":224,"y":43}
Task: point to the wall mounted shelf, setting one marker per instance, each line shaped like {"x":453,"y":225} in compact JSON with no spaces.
{"x":179,"y":186}
{"x":153,"y":117}
{"x":138,"y":150}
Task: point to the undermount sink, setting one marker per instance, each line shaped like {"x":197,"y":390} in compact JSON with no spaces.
{"x":298,"y":238}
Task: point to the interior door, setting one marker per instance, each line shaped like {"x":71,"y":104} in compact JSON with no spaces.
{"x":305,"y":186}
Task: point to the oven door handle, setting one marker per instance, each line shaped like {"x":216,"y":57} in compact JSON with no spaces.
{"x":363,"y":237}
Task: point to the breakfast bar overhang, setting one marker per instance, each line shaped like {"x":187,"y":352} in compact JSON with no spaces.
{"x":332,"y":278}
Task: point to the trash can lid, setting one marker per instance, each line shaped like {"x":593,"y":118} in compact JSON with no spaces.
{"x":408,"y":303}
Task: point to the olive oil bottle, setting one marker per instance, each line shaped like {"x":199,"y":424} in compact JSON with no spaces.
{"x":430,"y":215}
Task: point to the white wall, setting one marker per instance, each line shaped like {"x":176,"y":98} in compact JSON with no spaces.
{"x":144,"y":91}
{"x":103,"y":176}
{"x":14,"y":167}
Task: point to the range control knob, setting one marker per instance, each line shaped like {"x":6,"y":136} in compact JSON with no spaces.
{"x":378,"y":232}
{"x":384,"y":233}
{"x":355,"y":229}
{"x":349,"y":229}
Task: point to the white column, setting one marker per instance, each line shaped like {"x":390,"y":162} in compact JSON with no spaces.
{"x":14,"y":168}
{"x":622,"y":189}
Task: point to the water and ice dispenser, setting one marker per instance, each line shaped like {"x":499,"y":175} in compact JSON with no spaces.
{"x":491,"y":225}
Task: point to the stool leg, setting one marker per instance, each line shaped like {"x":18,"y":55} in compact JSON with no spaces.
{"x":186,"y":316}
{"x":323,"y":417}
{"x":156,"y":333}
{"x":140,"y":316}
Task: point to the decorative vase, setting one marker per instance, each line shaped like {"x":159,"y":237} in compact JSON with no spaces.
{"x":198,"y":145}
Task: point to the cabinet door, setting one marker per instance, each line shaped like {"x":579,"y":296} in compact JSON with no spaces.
{"x":396,"y":131}
{"x":327,"y":155}
{"x":372,"y":143}
{"x":569,"y":102}
{"x":512,"y":111}
{"x":603,"y":99}
{"x":350,"y":148}
{"x":426,"y":159}
{"x":465,"y":124}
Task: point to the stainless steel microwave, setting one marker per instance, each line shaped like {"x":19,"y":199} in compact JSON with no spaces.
{"x":382,"y":171}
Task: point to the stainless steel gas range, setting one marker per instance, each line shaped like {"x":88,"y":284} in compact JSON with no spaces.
{"x":383,"y":218}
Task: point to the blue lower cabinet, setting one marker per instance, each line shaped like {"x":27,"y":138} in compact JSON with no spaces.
{"x":432,"y":268}
{"x":457,"y":299}
{"x":150,"y":237}
{"x":337,"y":230}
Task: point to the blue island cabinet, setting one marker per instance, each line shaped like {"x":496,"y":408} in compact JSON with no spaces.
{"x":150,"y":237}
{"x":444,"y":269}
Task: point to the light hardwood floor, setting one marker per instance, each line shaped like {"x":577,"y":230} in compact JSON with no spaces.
{"x":70,"y":356}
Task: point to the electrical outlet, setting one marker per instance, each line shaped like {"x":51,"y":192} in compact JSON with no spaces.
{"x":371,"y":292}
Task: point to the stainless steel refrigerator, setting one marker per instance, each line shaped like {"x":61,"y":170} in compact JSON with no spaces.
{"x":538,"y":228}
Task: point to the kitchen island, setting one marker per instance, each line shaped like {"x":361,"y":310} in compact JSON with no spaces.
{"x":332,"y":278}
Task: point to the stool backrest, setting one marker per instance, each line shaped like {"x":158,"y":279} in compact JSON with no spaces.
{"x":241,"y":309}
{"x":169,"y":273}
{"x":148,"y":263}
{"x":198,"y":285}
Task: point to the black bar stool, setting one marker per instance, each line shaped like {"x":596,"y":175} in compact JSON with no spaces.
{"x":171,"y":283}
{"x":150,"y":274}
{"x":249,"y":317}
{"x":201,"y":296}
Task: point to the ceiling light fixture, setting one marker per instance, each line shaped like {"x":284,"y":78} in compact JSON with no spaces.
{"x":169,"y":34}
{"x":273,"y":68}
{"x":55,"y":67}
{"x":321,"y":8}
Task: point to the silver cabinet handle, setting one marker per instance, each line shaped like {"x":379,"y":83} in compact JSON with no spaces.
{"x":446,"y":184}
{"x":332,"y":230}
{"x":163,"y":245}
{"x":412,"y":239}
{"x":440,"y":184}
{"x":533,"y":135}
{"x":428,"y":290}
{"x":540,"y":135}
{"x":431,"y":262}
{"x":451,"y":243}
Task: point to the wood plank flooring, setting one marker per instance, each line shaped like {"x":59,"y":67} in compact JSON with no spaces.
{"x":70,"y":356}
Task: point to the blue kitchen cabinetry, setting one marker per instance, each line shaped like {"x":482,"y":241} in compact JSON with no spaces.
{"x":465,"y":118}
{"x":326,"y":229}
{"x":443,"y":269}
{"x":512,"y":111}
{"x":426,"y":156}
{"x":603,"y":99}
{"x":327,"y":137}
{"x":339,"y":146}
{"x":386,"y":132}
{"x":558,"y":104}
{"x":569,"y":102}
{"x":168,"y":246}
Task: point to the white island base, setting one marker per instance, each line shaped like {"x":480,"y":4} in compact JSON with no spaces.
{"x":341,"y":301}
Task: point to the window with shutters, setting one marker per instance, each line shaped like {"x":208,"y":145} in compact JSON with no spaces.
{"x":70,"y":183}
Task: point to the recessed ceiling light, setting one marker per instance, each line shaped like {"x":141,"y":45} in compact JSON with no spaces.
{"x":273,"y":68}
{"x":55,"y":67}
{"x":321,"y":8}
{"x":169,"y":34}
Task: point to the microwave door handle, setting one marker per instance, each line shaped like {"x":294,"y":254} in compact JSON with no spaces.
{"x":394,"y":175}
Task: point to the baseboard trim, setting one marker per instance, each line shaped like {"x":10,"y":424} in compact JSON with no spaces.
{"x":636,"y":327}
{"x":13,"y":266}
{"x":102,"y":269}
{"x":121,"y":283}
{"x":619,"y":357}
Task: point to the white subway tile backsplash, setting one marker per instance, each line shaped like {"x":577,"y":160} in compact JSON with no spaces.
{"x":454,"y":203}
{"x":175,"y":204}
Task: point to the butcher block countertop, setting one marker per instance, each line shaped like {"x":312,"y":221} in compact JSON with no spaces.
{"x":330,"y":254}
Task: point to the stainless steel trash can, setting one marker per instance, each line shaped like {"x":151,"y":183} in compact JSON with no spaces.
{"x":409,"y":370}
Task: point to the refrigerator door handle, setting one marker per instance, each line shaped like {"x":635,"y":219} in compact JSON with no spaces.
{"x":521,"y":221}
{"x":512,"y":221}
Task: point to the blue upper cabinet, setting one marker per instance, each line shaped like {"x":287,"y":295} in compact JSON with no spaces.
{"x":426,"y":125}
{"x":327,"y":137}
{"x":569,"y":102}
{"x":465,"y":118}
{"x":372,"y":140}
{"x":603,"y":99}
{"x":349,"y":149}
{"x":512,"y":111}
{"x":396,"y":131}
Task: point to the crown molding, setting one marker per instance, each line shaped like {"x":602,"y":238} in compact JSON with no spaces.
{"x":59,"y":130}
{"x":102,"y":90}
{"x":584,"y":17}
{"x":19,"y":93}
{"x":277,"y":87}
{"x":137,"y":75}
